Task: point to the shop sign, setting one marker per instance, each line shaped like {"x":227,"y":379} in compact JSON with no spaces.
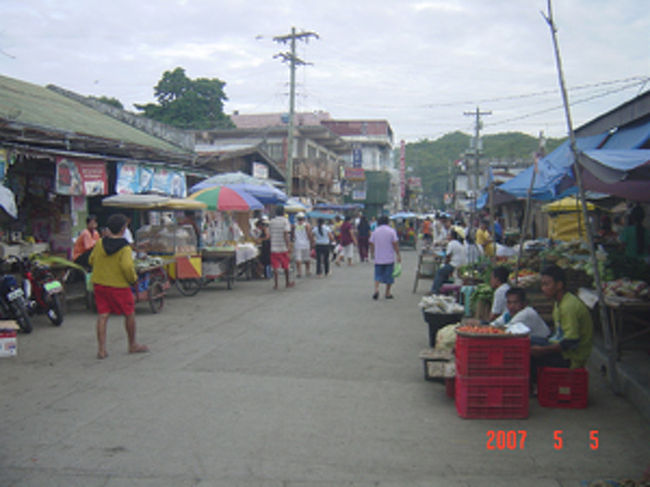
{"x":260,"y":170}
{"x":80,"y":177}
{"x":357,"y":157}
{"x":359,"y":194}
{"x":355,"y":174}
{"x":139,"y":178}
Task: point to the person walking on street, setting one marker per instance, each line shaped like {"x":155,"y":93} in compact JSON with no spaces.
{"x":363,"y":234}
{"x":112,"y":277}
{"x":303,"y":242}
{"x":384,"y":250}
{"x":348,"y":241}
{"x":279,"y":229}
{"x":323,"y":239}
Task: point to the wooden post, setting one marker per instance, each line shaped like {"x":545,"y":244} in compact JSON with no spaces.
{"x":604,"y":318}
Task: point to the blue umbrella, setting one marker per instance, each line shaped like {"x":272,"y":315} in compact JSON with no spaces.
{"x":265,"y":194}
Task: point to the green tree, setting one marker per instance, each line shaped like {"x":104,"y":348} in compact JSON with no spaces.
{"x":188,"y":104}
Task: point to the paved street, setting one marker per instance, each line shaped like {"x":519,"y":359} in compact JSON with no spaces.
{"x":314,"y":386}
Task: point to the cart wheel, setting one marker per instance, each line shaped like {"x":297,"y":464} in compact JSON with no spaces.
{"x":90,"y":301}
{"x":230,"y":282}
{"x":188,"y":287}
{"x":156,"y":296}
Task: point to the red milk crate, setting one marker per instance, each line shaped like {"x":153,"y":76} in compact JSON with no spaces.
{"x":562,"y":388}
{"x":493,"y":356}
{"x":492,"y":397}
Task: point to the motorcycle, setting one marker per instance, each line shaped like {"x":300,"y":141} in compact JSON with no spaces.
{"x":13,"y":304}
{"x":42,"y":290}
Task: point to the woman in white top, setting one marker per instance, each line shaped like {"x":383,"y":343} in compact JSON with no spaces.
{"x":455,"y":257}
{"x":302,"y":243}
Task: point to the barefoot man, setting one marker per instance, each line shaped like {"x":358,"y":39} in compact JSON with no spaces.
{"x":112,"y":277}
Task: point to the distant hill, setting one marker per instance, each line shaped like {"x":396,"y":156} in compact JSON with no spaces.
{"x":430,"y":159}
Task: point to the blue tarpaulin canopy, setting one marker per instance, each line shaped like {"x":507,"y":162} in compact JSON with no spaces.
{"x":403,"y":215}
{"x":623,"y":173}
{"x":629,"y":137}
{"x":554,"y":178}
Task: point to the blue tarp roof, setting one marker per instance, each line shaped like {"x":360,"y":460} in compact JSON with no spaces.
{"x":628,"y":137}
{"x":624,"y":173}
{"x":554,"y":178}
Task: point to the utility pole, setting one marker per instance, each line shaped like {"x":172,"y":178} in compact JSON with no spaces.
{"x":477,"y":145}
{"x":293,"y":61}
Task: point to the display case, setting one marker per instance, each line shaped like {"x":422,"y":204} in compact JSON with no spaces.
{"x":167,"y":239}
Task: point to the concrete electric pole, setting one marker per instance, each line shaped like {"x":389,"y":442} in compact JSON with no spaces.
{"x":291,"y":58}
{"x":477,"y":144}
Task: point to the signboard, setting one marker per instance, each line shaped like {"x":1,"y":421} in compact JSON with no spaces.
{"x":359,"y":194}
{"x":260,"y":170}
{"x":80,"y":177}
{"x":138,"y":178}
{"x":355,"y":174}
{"x":357,"y":157}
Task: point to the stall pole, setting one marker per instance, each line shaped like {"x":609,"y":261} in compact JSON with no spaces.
{"x":492,"y":221}
{"x":604,"y":318}
{"x":524,"y":229}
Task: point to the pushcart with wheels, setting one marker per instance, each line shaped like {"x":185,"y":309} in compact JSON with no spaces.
{"x":151,"y":286}
{"x":219,"y":264}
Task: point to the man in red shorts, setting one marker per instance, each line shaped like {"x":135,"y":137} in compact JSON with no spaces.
{"x":279,"y":229}
{"x":112,"y":277}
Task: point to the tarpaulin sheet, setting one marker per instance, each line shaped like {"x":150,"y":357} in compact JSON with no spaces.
{"x":554,"y":172}
{"x":632,"y":137}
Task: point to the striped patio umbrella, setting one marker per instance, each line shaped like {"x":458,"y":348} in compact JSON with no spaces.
{"x":223,"y":198}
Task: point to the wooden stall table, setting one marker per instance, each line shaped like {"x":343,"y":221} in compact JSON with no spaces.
{"x":624,"y":312}
{"x":429,"y":259}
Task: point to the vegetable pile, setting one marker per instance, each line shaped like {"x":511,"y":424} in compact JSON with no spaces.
{"x":627,"y":288}
{"x":440,"y":304}
{"x":480,"y":330}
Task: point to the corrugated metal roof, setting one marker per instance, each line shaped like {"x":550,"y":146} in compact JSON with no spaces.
{"x":35,"y":105}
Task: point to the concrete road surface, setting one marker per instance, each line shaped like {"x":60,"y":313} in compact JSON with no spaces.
{"x":316,"y":386}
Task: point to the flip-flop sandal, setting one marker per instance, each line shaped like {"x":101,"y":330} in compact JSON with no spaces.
{"x":375,"y":296}
{"x":102,"y":357}
{"x":140,"y":349}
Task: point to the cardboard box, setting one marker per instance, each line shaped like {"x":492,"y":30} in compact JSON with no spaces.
{"x":8,"y":342}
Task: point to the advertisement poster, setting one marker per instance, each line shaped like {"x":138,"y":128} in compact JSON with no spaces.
{"x":80,"y":177}
{"x":137,"y":178}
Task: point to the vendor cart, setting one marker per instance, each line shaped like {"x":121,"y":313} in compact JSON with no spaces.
{"x":219,"y":263}
{"x":177,"y":244}
{"x":151,"y":286}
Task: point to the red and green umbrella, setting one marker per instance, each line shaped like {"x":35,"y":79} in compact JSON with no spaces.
{"x":223,"y":198}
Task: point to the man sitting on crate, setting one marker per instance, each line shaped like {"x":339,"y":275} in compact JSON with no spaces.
{"x":571,"y":342}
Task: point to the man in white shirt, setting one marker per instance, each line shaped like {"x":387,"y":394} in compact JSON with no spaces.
{"x":455,"y":257}
{"x":499,"y":282}
{"x":519,"y":312}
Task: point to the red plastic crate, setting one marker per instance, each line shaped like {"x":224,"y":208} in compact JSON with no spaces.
{"x":492,"y":397}
{"x":562,"y":388}
{"x":493,"y":356}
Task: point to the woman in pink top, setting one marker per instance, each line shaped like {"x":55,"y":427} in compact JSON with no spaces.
{"x":384,"y":248}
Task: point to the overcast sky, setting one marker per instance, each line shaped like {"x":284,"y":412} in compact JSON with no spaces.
{"x":418,"y":64}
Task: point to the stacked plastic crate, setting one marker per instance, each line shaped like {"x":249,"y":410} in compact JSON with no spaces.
{"x":492,"y":376}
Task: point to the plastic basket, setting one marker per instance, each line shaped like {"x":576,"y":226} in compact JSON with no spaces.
{"x":562,"y":388}
{"x":437,"y":321}
{"x":492,"y":397}
{"x":493,"y":356}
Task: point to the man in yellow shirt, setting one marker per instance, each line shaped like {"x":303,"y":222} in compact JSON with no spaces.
{"x":113,"y":275}
{"x":484,"y":239}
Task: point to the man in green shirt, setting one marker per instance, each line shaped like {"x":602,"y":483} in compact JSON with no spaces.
{"x":570,"y":344}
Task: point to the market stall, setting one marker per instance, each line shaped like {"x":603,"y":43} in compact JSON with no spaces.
{"x":174,"y":245}
{"x":224,"y":230}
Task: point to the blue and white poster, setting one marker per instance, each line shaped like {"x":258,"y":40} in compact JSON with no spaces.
{"x":138,"y":178}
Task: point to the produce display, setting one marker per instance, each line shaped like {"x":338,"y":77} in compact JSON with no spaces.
{"x":441,"y":304}
{"x":526,"y":278}
{"x":627,"y":288}
{"x":147,"y":262}
{"x":480,"y":330}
